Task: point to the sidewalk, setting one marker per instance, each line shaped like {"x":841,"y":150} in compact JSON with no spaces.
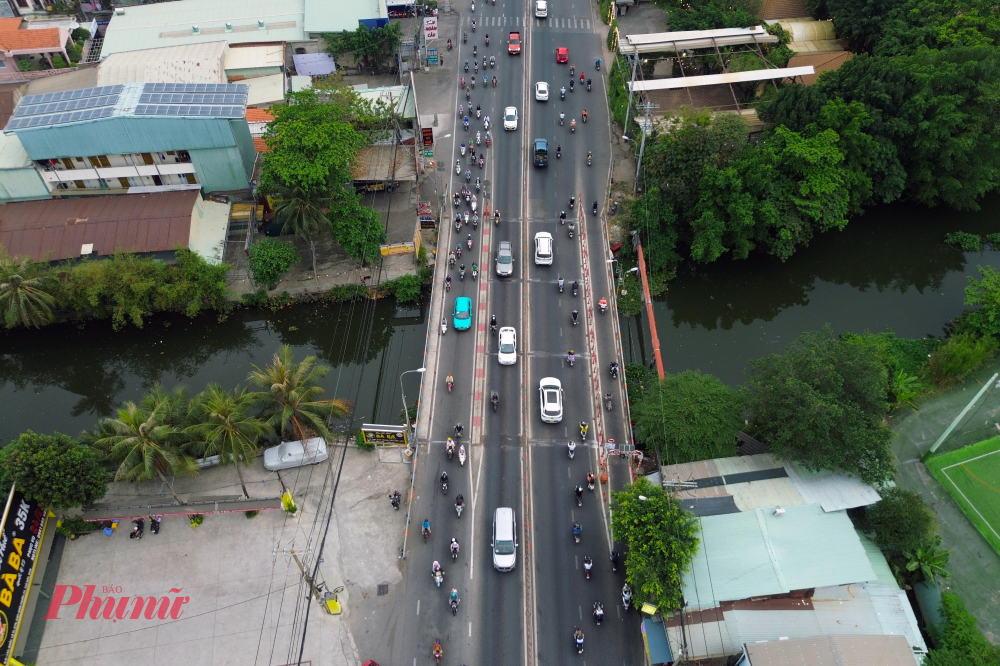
{"x":243,"y":584}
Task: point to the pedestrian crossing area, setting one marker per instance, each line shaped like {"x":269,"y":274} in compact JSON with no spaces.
{"x":514,"y":22}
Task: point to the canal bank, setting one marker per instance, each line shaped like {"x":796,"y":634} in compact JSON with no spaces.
{"x":888,"y":270}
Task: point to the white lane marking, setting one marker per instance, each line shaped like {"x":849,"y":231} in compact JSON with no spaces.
{"x":470,"y":630}
{"x":418,"y":606}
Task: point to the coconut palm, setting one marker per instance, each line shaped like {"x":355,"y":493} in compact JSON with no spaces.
{"x":142,"y":445}
{"x":929,"y":560}
{"x":289,"y":395}
{"x":24,"y":298}
{"x":301,"y":213}
{"x":175,"y":403}
{"x":223,"y":426}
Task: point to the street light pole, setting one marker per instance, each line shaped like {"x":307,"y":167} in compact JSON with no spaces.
{"x":406,"y":409}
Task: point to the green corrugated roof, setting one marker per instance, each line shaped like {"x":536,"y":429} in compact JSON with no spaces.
{"x":879,"y":565}
{"x":758,"y":553}
{"x":336,"y":16}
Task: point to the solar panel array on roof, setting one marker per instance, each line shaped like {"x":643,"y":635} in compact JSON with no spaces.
{"x":66,"y":105}
{"x":188,"y":110}
{"x":191,"y":98}
{"x":59,"y":118}
{"x":81,"y":93}
{"x":195,"y":88}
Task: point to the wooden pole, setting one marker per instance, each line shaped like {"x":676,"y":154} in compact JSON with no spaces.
{"x":649,"y":315}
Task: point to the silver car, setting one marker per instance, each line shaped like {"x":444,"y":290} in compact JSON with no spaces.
{"x":505,"y":259}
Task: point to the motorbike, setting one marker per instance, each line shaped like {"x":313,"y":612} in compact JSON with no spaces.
{"x":495,"y":399}
{"x":614,"y":561}
{"x":578,"y":491}
{"x":479,"y":184}
{"x":572,"y":228}
{"x":496,"y":218}
{"x":575,"y":317}
{"x":598,"y":613}
{"x":154,"y":524}
{"x":458,"y":223}
{"x":486,"y":123}
{"x":458,"y":167}
{"x":572,"y":71}
{"x":465,"y":124}
{"x":493,"y":62}
{"x":562,"y":93}
{"x":571,"y":359}
{"x":572,"y":449}
{"x":594,"y":211}
{"x":577,"y":532}
{"x":488,"y":140}
{"x":465,"y":37}
{"x":576,"y":285}
{"x":394,"y":499}
{"x":463,"y":85}
{"x":456,"y":200}
{"x":458,"y":509}
{"x":466,"y":66}
{"x":494,"y":81}
{"x":608,"y":402}
{"x":454,"y":603}
{"x":590,"y":158}
{"x":138,"y":529}
{"x":461,"y":455}
{"x":444,"y":483}
{"x":444,"y":326}
{"x":437,"y":652}
{"x":597,"y":65}
{"x":461,"y":274}
{"x":562,"y":118}
{"x":475,"y":221}
{"x":626,"y":596}
{"x":466,"y":221}
{"x":588,"y":564}
{"x":614,"y":208}
{"x":558,"y":152}
{"x":572,"y":200}
{"x":588,"y":85}
{"x":578,"y":642}
{"x":468,"y":176}
{"x":447,"y":284}
{"x":438,"y":576}
{"x":468,"y":96}
{"x":449,"y":45}
{"x":479,"y":139}
{"x":475,"y":273}
{"x":572,"y":126}
{"x":583,"y":432}
{"x":469,"y":241}
{"x":613,"y":370}
{"x":481,"y":162}
{"x":454,"y":550}
{"x":560,"y":283}
{"x":479,"y":113}
{"x":458,"y":250}
{"x":449,"y":448}
{"x":603,"y":305}
{"x":461,"y":149}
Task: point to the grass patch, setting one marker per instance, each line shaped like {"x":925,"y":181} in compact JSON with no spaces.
{"x":971,"y":475}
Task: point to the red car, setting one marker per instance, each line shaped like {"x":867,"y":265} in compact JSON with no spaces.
{"x":562,"y":54}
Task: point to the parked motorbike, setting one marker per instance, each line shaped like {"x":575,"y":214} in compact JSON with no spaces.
{"x":138,"y":529}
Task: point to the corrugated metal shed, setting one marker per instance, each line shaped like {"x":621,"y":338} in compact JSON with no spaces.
{"x":378,"y":163}
{"x":883,"y":572}
{"x":740,"y":464}
{"x":399,"y":97}
{"x":756,"y":554}
{"x":832,"y":651}
{"x":340,"y":15}
{"x":267,"y":56}
{"x":172,"y":24}
{"x":60,"y":228}
{"x":265,"y":90}
{"x":19,"y":181}
{"x":191,"y":63}
{"x":834,"y":491}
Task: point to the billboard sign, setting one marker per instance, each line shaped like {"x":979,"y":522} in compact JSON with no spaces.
{"x":20,"y":538}
{"x":374,"y":433}
{"x":430,"y":28}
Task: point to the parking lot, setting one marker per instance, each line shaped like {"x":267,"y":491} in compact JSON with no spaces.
{"x":242,"y":583}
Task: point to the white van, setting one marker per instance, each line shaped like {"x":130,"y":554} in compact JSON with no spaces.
{"x":504,"y":539}
{"x":543,"y":248}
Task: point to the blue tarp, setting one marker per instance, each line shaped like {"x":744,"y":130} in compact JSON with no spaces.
{"x":654,"y":635}
{"x":371,"y":24}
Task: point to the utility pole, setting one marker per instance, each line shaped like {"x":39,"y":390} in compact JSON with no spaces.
{"x":316,"y":592}
{"x":628,"y":109}
{"x":642,"y":144}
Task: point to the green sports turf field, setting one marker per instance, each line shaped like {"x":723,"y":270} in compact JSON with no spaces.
{"x":971,"y":475}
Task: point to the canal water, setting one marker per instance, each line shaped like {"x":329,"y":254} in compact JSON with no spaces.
{"x":888,"y":269}
{"x":64,"y":378}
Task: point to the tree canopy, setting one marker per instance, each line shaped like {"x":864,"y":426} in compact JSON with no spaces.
{"x":688,"y":416}
{"x":55,"y":470}
{"x":899,"y":522}
{"x":661,"y":542}
{"x":822,"y":403}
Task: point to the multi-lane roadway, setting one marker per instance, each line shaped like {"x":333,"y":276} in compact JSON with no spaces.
{"x":527,"y":615}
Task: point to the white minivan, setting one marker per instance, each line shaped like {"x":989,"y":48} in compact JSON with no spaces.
{"x":504,"y":539}
{"x":543,"y":248}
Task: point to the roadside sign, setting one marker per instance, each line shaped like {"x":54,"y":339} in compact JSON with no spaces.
{"x":430,"y":28}
{"x":374,"y":433}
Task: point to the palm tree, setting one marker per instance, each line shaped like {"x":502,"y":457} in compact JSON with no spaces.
{"x":23,"y":296}
{"x":290,"y":392}
{"x":224,"y":428}
{"x":301,"y":213}
{"x":142,"y":444}
{"x":929,"y":560}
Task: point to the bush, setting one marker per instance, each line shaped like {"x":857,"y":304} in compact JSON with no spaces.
{"x":74,"y":525}
{"x":359,"y":440}
{"x":80,"y":35}
{"x":994,"y":240}
{"x":196,"y":519}
{"x":406,"y":288}
{"x":24,"y":65}
{"x":961,"y":640}
{"x":962,"y":354}
{"x":900,"y":521}
{"x":422,"y":256}
{"x":270,"y":259}
{"x":986,"y":294}
{"x":74,"y":51}
{"x":613,"y":35}
{"x":964,"y":241}
{"x":250,"y":514}
{"x":58,"y":62}
{"x":55,"y":470}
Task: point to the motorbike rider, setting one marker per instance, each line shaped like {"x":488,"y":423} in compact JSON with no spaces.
{"x":578,"y":636}
{"x":590,"y":480}
{"x":614,"y":368}
{"x":453,"y":547}
{"x":561,"y":283}
{"x":488,"y":41}
{"x":475,"y":270}
{"x":584,"y":115}
{"x":437,"y":652}
{"x":495,"y":398}
{"x":425,"y":528}
{"x":614,"y":559}
{"x":598,"y":611}
{"x":607,"y":399}
{"x":603,"y":304}
{"x":572,"y":447}
{"x":571,"y":357}
{"x":588,"y":84}
{"x":572,"y":200}
{"x":458,"y":429}
{"x":577,"y":530}
{"x":459,"y":501}
{"x":572,"y":125}
{"x":588,"y":564}
{"x":579,"y":493}
{"x":449,"y":446}
{"x":494,"y":80}
{"x":461,"y":272}
{"x":493,"y":323}
{"x":562,"y":217}
{"x":558,"y":151}
{"x":575,"y":314}
{"x":583,"y":428}
{"x":590,"y":156}
{"x":444,"y":478}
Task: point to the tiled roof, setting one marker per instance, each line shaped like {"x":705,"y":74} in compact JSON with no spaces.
{"x":779,"y":9}
{"x":22,"y":40}
{"x":58,"y":228}
{"x":863,"y":650}
{"x":260,"y":145}
{"x":8,"y":24}
{"x":259,"y":116}
{"x":821,"y":62}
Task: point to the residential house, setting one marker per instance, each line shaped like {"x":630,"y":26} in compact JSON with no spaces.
{"x":17,"y":41}
{"x":837,"y":650}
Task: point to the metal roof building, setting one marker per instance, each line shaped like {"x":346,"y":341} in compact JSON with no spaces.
{"x":830,"y":651}
{"x":193,"y":63}
{"x":137,"y":138}
{"x":763,"y":553}
{"x":863,"y":609}
{"x":746,"y":483}
{"x":339,"y":15}
{"x":194,"y":21}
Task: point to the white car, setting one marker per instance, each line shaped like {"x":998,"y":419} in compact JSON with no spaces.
{"x":541,"y":9}
{"x":551,"y":393}
{"x":543,"y":248}
{"x":508,"y":346}
{"x":510,"y":118}
{"x":542,"y":91}
{"x":295,"y":454}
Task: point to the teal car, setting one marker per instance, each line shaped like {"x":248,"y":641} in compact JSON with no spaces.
{"x":462,"y":315}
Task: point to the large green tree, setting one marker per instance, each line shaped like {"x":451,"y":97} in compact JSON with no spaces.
{"x":688,"y":416}
{"x":358,"y":229}
{"x":899,"y":522}
{"x":300,"y":212}
{"x":373,"y":47}
{"x":25,"y":298}
{"x":55,"y":470}
{"x":661,"y":542}
{"x":223,"y":426}
{"x":289,"y":395}
{"x":311,"y":143}
{"x":822,"y":403}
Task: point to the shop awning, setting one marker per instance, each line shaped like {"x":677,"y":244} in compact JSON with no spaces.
{"x":655,"y":638}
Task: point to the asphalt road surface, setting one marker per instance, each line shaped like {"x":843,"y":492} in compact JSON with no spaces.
{"x":527,"y":615}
